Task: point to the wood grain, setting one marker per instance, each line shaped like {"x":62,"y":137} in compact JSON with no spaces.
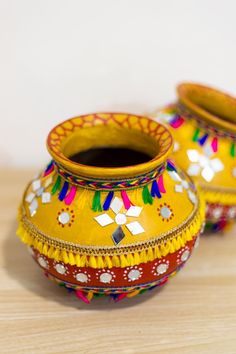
{"x":194,"y":313}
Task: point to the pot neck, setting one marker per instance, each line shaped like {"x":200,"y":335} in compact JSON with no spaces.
{"x":210,"y":106}
{"x":109,"y":130}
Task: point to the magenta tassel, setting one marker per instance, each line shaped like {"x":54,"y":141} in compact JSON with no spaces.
{"x":214,"y":144}
{"x":120,"y":297}
{"x":81,"y":296}
{"x":161,"y":184}
{"x":126,"y":201}
{"x":70,"y":196}
{"x":176,"y":123}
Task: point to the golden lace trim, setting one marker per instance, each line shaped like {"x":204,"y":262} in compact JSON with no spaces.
{"x":109,"y":257}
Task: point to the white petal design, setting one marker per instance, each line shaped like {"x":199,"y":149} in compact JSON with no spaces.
{"x":104,"y":219}
{"x":174,"y":176}
{"x":134,"y":211}
{"x":29,"y":197}
{"x":192,"y":197}
{"x":33,"y":207}
{"x":135,"y":228}
{"x":179,"y":188}
{"x":193,"y":155}
{"x":116,"y":205}
{"x":217,"y":165}
{"x":208,"y":150}
{"x":208,"y":173}
{"x":36,"y":184}
{"x":194,"y":170}
{"x":48,"y":182}
{"x":46,"y":198}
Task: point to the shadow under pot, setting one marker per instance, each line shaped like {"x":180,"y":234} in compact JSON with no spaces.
{"x":203,"y":125}
{"x":110,"y":214}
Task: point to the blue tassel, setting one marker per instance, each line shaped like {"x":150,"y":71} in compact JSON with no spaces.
{"x":155,"y":190}
{"x":203,"y":139}
{"x":170,"y":166}
{"x":63,"y":191}
{"x":108,"y":200}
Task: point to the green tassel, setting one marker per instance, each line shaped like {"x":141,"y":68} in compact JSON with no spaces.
{"x":147,"y":198}
{"x":232,"y":150}
{"x":96,"y":206}
{"x":196,"y":134}
{"x":56,"y":185}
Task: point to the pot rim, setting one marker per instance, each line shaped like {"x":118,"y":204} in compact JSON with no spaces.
{"x":185,"y":90}
{"x":55,"y":142}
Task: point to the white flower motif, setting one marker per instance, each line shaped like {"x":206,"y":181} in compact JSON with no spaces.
{"x":121,"y":218}
{"x":182,"y":185}
{"x":203,"y":164}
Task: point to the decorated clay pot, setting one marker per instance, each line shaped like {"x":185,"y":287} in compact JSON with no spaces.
{"x":203,"y":124}
{"x":110,"y":214}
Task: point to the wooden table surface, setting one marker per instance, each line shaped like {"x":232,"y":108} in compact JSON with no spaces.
{"x":194,"y":313}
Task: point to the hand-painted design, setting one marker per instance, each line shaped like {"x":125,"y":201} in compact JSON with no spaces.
{"x":33,"y":207}
{"x":183,"y":255}
{"x":82,"y":276}
{"x":42,"y":261}
{"x":234,"y":172}
{"x":118,"y":235}
{"x":217,"y":212}
{"x":66,"y":216}
{"x":160,"y":267}
{"x":29,"y":198}
{"x":61,"y":268}
{"x":121,"y":219}
{"x":106,"y":276}
{"x":166,"y":212}
{"x":204,"y":165}
{"x":46,"y":197}
{"x":39,"y":191}
{"x":36,"y":184}
{"x":176,"y":146}
{"x":192,"y":197}
{"x":48,"y":182}
{"x":232,"y":212}
{"x":133,"y":273}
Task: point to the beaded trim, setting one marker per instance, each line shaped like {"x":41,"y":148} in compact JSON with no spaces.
{"x":111,"y":184}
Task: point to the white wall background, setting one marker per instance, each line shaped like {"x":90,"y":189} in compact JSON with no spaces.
{"x":60,"y":58}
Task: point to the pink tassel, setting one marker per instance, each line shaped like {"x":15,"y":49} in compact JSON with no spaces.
{"x":81,"y":296}
{"x":70,"y":196}
{"x":177,"y":122}
{"x":126,"y":201}
{"x":161,"y":184}
{"x":214,"y":144}
{"x":120,"y":297}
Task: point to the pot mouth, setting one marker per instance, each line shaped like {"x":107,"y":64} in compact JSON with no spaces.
{"x":109,"y":130}
{"x":211,"y":105}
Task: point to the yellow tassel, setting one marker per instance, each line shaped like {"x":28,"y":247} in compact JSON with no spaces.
{"x":123,"y":260}
{"x":78,"y":260}
{"x":56,"y":254}
{"x":108,"y":262}
{"x":71,"y":259}
{"x":116,"y":261}
{"x":90,"y":295}
{"x":92,"y":262}
{"x":65,"y":257}
{"x":100,"y":262}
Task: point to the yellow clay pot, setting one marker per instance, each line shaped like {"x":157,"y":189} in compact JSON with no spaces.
{"x":110,"y":230}
{"x":203,"y":125}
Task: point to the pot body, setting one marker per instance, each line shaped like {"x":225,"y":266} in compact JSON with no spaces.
{"x":203,"y":124}
{"x":113,"y":231}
